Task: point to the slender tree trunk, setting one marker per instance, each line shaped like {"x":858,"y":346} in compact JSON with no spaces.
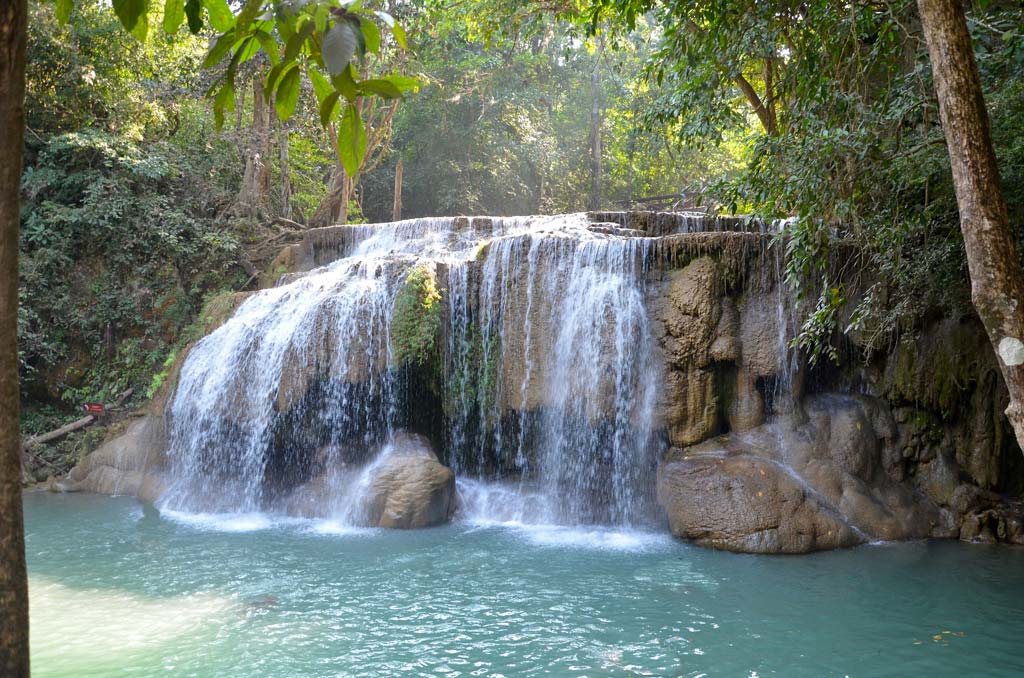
{"x":333,"y":209}
{"x":997,"y":281}
{"x":596,"y":180}
{"x":396,"y":210}
{"x":13,"y":579}
{"x":256,"y":180}
{"x":286,"y":177}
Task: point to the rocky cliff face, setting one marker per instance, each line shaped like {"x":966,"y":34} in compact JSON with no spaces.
{"x":634,"y":366}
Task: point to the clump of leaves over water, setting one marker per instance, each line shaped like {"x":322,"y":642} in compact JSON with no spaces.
{"x":416,"y":319}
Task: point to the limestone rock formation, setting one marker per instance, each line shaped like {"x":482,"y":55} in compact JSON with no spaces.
{"x":746,"y":503}
{"x":795,"y":485}
{"x":124,"y":464}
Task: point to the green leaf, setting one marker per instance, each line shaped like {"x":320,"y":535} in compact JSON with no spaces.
{"x":351,"y":140}
{"x":346,"y":84}
{"x":225,"y":100}
{"x":129,"y":11}
{"x":329,"y":108}
{"x":141,"y":29}
{"x":382,"y":87}
{"x":174,"y":14}
{"x":250,"y":10}
{"x":294,"y":45}
{"x":269,"y":46}
{"x":273,"y":76}
{"x":64,"y":8}
{"x":396,"y":29}
{"x":193,"y":11}
{"x":220,"y":14}
{"x":321,"y":85}
{"x":371,"y":34}
{"x":219,"y":49}
{"x":287,"y":95}
{"x":400,"y":37}
{"x":247,"y":48}
{"x":404,"y":83}
{"x":338,"y":48}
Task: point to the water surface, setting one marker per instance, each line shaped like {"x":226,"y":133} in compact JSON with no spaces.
{"x":118,"y":589}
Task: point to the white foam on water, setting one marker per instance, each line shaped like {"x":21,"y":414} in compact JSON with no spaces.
{"x":90,"y":631}
{"x":337,"y":528}
{"x":226,"y":522}
{"x":605,"y":539}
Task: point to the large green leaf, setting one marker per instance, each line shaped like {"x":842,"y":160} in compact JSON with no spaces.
{"x":403,"y":83}
{"x":287,"y":95}
{"x":219,"y":49}
{"x":269,"y":46}
{"x":321,"y":86}
{"x":338,"y":48}
{"x":220,"y":14}
{"x":274,"y":76}
{"x":351,"y":140}
{"x":346,"y":84}
{"x":295,"y":41}
{"x":380,"y":87}
{"x":250,"y":10}
{"x":141,"y":29}
{"x":371,"y":34}
{"x":194,"y":13}
{"x":225,"y":100}
{"x":329,"y":108}
{"x":174,"y":14}
{"x":129,"y":11}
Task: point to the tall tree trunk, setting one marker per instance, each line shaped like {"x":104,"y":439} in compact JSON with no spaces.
{"x":333,"y":209}
{"x":997,"y":281}
{"x":396,"y":209}
{"x":256,"y":179}
{"x":596,"y":180}
{"x":13,"y":580}
{"x":286,"y":176}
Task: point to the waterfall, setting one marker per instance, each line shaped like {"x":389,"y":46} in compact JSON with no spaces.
{"x":540,"y":393}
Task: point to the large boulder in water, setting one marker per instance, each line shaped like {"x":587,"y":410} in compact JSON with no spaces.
{"x":408,"y":487}
{"x":808,"y":482}
{"x":748,"y":504}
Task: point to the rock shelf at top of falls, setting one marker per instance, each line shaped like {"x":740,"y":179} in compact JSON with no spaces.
{"x":626,"y":369}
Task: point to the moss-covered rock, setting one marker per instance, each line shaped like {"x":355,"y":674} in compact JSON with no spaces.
{"x":416,"y":319}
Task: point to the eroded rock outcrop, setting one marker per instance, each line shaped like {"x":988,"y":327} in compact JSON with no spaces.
{"x":793,"y":486}
{"x":125,"y":464}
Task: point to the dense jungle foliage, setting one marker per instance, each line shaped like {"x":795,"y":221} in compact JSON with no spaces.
{"x":138,"y":206}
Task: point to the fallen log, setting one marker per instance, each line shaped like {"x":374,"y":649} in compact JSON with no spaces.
{"x":77,"y":425}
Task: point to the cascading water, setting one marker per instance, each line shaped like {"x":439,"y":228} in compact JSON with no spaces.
{"x":541,"y":398}
{"x":564,"y":380}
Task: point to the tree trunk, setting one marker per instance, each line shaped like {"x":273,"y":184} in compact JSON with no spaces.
{"x":396,"y":210}
{"x":256,"y":180}
{"x":286,"y":177}
{"x":997,"y":281}
{"x":596,"y":180}
{"x":333,"y":209}
{"x":14,"y":655}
